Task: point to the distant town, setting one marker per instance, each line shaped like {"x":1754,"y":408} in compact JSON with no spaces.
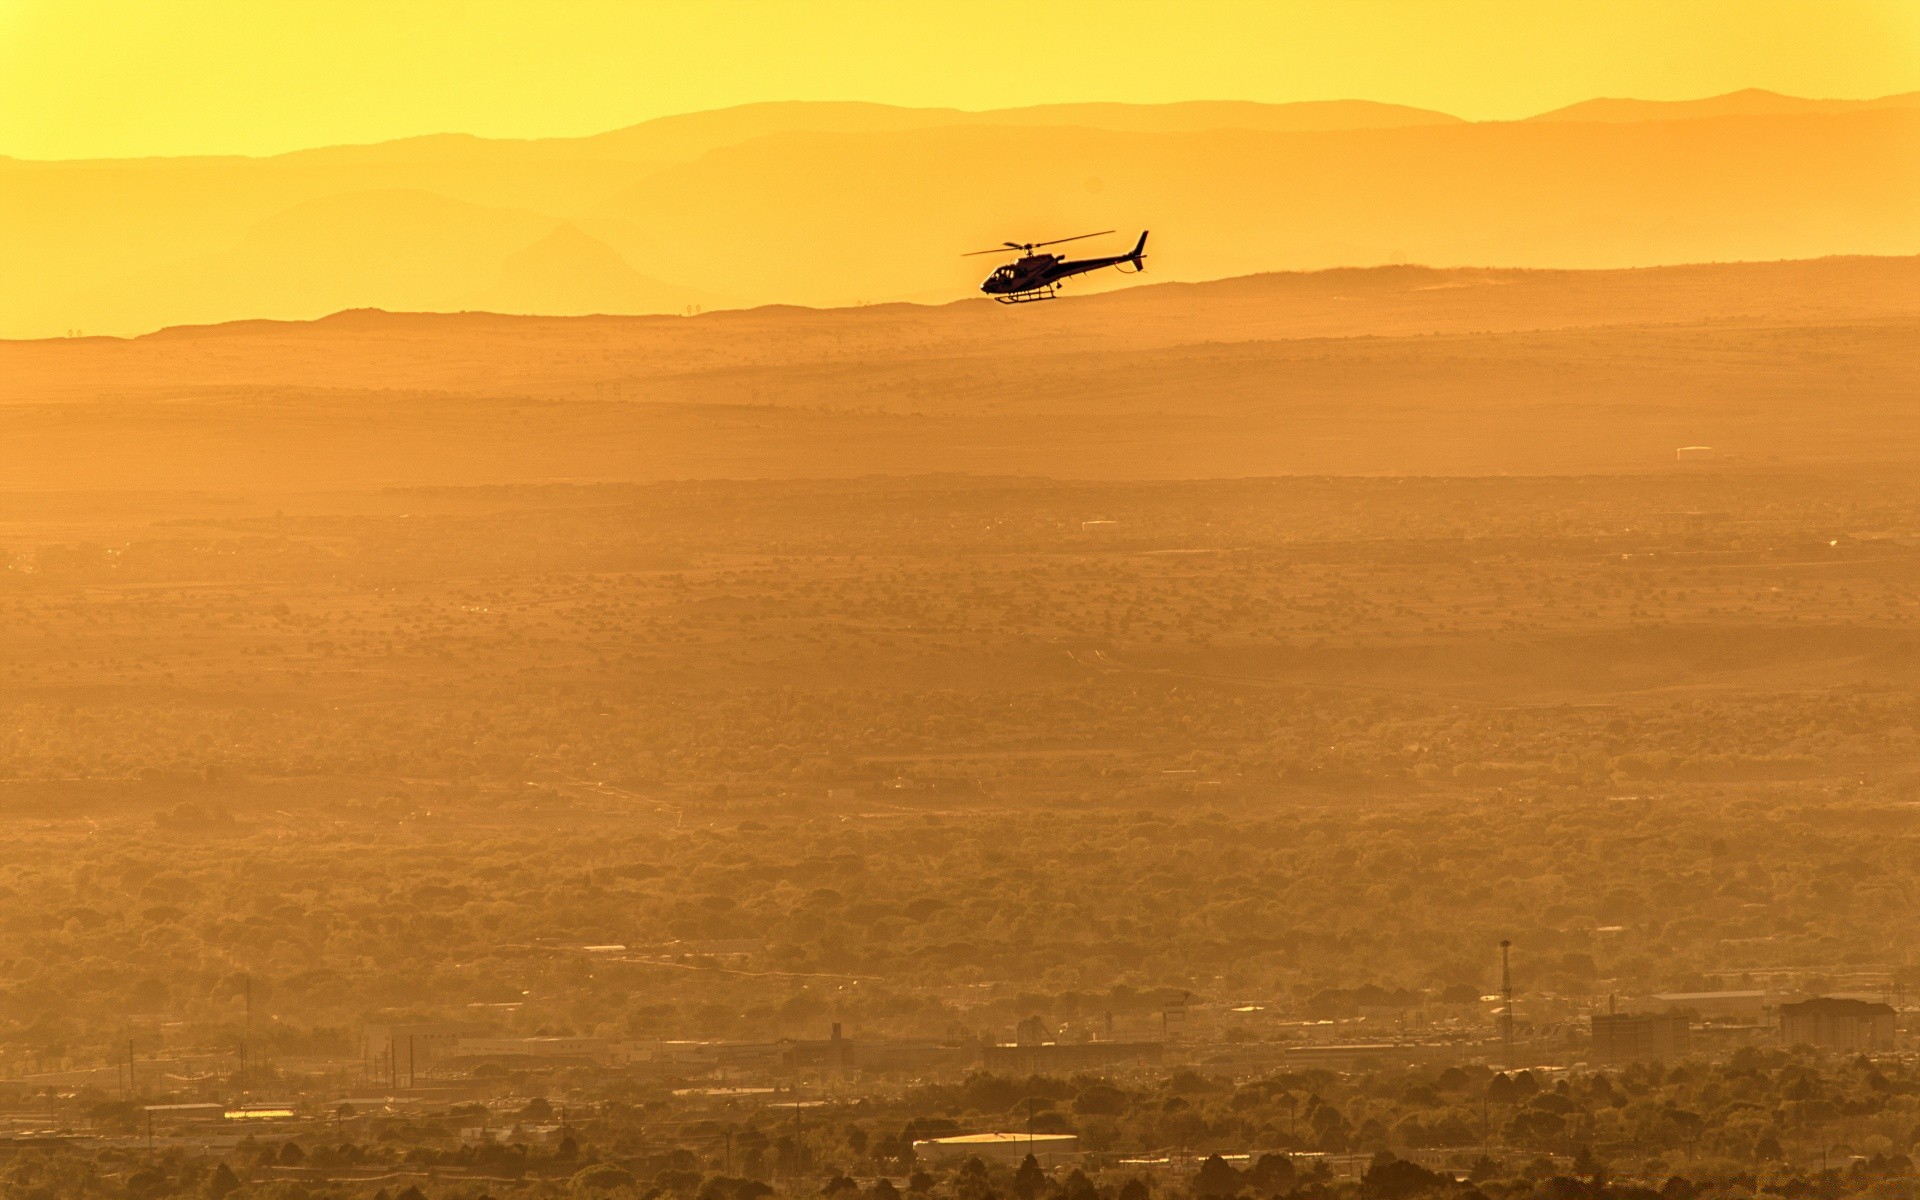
{"x":1467,"y":1088}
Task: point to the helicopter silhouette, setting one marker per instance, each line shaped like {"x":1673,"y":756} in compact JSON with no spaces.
{"x":1036,"y":276}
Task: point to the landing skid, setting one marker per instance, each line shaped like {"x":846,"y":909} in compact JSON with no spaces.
{"x":1026,"y":297}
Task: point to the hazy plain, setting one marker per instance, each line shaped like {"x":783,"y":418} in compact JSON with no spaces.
{"x":940,"y":652}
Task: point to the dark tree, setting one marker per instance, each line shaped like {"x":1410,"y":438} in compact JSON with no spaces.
{"x":1216,"y":1178}
{"x":1390,"y":1178}
{"x":1029,"y":1180}
{"x":222,"y":1182}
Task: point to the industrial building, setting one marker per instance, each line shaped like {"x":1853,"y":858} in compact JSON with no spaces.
{"x":1747,"y":1005}
{"x":1641,"y":1037}
{"x":604,"y":1051}
{"x":1838,"y":1023}
{"x":399,"y":1054}
{"x":834,"y":1055}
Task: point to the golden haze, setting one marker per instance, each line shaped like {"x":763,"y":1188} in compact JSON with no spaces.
{"x":572,"y":656}
{"x":113,"y":79}
{"x":877,"y":202}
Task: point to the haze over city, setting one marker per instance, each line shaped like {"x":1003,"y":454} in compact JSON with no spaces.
{"x":969,"y":601}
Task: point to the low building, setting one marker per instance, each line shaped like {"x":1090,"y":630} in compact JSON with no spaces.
{"x":833,"y":1056}
{"x":398,"y":1054}
{"x":1352,"y":1056}
{"x":177,"y":1113}
{"x":1049,"y":1149}
{"x":1641,"y":1037}
{"x":604,"y":1051}
{"x":1837,"y":1023}
{"x":511,"y":1132}
{"x":705,"y":1056}
{"x":910,"y":1056}
{"x":829,"y":1055}
{"x":1747,"y":1005}
{"x":1061,"y":1058}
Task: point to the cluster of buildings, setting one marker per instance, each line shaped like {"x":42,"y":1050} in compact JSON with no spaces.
{"x":1663,"y":1027}
{"x":401,"y":1055}
{"x":1665,"y":1030}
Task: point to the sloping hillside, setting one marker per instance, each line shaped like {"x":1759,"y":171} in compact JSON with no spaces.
{"x":878,"y":203}
{"x":1750,"y":102}
{"x":1391,"y":370}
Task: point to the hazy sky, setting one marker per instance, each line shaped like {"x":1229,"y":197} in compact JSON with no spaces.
{"x":86,"y":78}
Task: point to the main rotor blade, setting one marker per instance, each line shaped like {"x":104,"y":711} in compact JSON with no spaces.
{"x":995,"y":250}
{"x":1076,"y":237}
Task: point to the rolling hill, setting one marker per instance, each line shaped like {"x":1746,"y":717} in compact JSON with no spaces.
{"x":1392,"y":370}
{"x":1750,"y":102}
{"x":876,"y":203}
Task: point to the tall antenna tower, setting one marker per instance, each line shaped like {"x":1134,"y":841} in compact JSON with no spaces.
{"x":1506,"y":1000}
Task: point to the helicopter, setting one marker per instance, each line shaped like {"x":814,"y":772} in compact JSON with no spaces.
{"x":1036,"y":276}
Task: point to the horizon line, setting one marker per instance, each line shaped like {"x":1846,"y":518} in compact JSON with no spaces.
{"x":827,"y":310}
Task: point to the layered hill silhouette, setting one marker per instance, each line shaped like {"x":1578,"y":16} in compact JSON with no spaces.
{"x":835,"y":204}
{"x":1751,"y":102}
{"x":486,"y":353}
{"x":1389,"y":370}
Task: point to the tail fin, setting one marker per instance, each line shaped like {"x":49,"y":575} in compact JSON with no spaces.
{"x":1139,"y":252}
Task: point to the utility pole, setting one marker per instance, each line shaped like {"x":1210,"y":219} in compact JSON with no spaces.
{"x":132,"y":1087}
{"x":246,"y":1031}
{"x":1506,"y":997}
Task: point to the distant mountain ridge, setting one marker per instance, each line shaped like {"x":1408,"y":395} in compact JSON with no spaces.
{"x":1751,"y":102}
{"x":832,"y":204}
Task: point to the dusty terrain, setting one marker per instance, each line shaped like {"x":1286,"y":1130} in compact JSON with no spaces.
{"x":1383,"y":371}
{"x":372,"y":658}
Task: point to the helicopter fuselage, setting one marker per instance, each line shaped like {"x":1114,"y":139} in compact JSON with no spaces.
{"x":1034,"y":276}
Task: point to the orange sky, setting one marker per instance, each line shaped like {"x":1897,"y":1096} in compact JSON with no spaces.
{"x":91,"y":78}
